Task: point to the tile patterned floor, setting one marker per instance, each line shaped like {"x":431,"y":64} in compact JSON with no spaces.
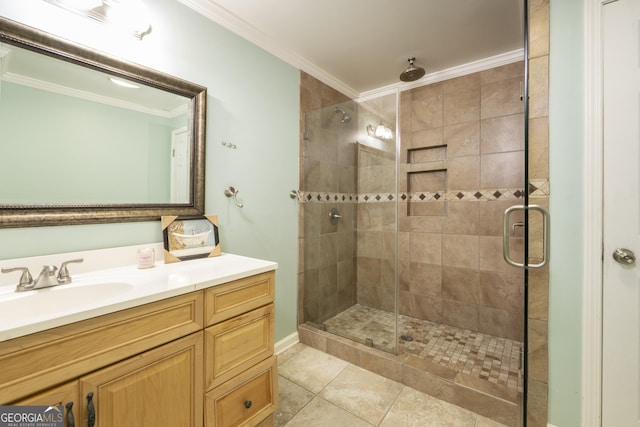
{"x":480,"y":355}
{"x":319,"y":390}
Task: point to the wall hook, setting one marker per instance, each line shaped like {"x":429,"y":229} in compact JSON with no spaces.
{"x":229,"y":145}
{"x":232,"y":192}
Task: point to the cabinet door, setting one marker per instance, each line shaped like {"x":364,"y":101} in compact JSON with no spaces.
{"x":161,"y":387}
{"x":67,"y":395}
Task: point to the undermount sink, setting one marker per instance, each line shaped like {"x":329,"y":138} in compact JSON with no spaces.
{"x":74,"y":295}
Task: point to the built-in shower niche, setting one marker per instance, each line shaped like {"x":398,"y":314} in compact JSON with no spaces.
{"x":427,"y":181}
{"x":427,"y":154}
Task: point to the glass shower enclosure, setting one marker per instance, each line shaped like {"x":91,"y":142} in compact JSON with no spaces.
{"x":402,"y":207}
{"x":350,"y":221}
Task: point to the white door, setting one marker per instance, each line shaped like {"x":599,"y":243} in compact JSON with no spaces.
{"x":621,"y":282}
{"x":180,"y":166}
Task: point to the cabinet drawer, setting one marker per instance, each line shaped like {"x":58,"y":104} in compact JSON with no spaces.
{"x":233,"y":346}
{"x":41,"y":360}
{"x":225,"y":301}
{"x":246,"y":400}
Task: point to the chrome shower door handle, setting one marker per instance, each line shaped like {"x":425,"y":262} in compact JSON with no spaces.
{"x":506,"y":237}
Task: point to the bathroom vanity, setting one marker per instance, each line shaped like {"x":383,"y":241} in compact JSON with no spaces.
{"x":188,"y":344}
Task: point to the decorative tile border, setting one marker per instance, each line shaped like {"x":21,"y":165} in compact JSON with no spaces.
{"x":537,"y":188}
{"x":315,"y":197}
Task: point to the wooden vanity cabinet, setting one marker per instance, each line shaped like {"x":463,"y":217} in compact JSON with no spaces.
{"x":204,"y":358}
{"x":240,"y":368}
{"x":160,"y":387}
{"x":36,"y":362}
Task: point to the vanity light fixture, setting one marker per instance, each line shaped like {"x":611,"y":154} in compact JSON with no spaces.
{"x":130,"y":15}
{"x":380,"y":131}
{"x":123,"y":83}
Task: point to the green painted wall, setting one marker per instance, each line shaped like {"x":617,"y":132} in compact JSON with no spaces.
{"x":127,"y":163}
{"x":252,"y":102}
{"x":565,"y":168}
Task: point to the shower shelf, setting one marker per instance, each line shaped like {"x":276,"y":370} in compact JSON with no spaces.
{"x":427,"y":154}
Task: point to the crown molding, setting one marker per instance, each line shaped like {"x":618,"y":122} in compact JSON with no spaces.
{"x":449,"y":73}
{"x":88,"y":96}
{"x":231,"y":22}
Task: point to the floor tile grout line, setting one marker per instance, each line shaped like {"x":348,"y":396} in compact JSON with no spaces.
{"x":391,"y":406}
{"x":318,"y":394}
{"x":300,"y":410}
{"x":302,"y":387}
{"x":315,"y":394}
{"x":356,"y":415}
{"x":476,"y":417}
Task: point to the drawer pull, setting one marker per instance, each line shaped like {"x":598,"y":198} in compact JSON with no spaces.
{"x":247,"y":404}
{"x":71,"y":422}
{"x":91,"y":411}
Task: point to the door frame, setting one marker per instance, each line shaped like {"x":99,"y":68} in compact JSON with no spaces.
{"x":172,"y":180}
{"x":593,"y":216}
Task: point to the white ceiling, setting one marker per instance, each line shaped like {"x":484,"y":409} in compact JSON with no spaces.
{"x":362,"y":46}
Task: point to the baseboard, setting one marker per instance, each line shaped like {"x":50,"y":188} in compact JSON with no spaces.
{"x":286,"y":342}
{"x":550,"y":425}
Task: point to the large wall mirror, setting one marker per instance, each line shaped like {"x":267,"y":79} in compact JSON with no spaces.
{"x":89,"y":138}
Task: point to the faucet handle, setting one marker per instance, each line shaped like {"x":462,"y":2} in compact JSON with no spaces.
{"x":63,"y":274}
{"x":26,"y":281}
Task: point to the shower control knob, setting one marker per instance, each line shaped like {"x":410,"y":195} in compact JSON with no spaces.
{"x":624,"y":256}
{"x":334,"y":216}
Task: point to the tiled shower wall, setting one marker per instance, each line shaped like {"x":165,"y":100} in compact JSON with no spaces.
{"x":461,"y":166}
{"x":377,"y":221}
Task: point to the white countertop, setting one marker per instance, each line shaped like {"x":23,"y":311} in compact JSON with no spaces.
{"x":100,"y":292}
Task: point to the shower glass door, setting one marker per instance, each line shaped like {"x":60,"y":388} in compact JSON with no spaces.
{"x":349,"y":210}
{"x":462,"y":164}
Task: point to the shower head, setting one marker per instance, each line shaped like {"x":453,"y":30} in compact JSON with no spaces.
{"x":412,"y":73}
{"x":345,"y":117}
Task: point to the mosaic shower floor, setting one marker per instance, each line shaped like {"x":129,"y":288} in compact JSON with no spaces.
{"x":473,"y":353}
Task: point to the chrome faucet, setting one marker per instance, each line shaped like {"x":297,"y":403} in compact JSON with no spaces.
{"x":46,"y":278}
